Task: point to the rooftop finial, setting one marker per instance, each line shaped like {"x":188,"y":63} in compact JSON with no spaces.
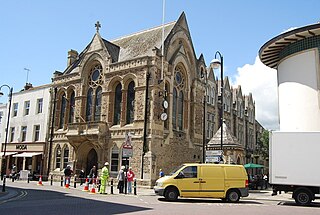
{"x":97,"y":25}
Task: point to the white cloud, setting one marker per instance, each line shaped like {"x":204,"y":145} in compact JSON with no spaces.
{"x":261,"y":81}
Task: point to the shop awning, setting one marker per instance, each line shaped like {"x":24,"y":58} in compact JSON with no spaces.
{"x":8,"y":153}
{"x":27,"y":154}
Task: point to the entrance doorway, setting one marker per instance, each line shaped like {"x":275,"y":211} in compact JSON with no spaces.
{"x":92,"y":160}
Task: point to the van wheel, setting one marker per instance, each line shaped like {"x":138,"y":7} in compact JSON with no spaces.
{"x":171,"y":194}
{"x":302,"y":197}
{"x":233,"y":196}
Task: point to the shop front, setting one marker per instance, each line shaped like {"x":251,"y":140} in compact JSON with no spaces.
{"x":27,"y":157}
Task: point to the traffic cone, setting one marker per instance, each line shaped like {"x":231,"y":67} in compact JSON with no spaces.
{"x":40,"y":181}
{"x":67,"y":183}
{"x":86,"y":185}
{"x":93,"y":189}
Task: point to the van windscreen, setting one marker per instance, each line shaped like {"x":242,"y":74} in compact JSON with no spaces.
{"x":176,"y":169}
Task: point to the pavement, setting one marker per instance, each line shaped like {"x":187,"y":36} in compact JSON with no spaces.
{"x":11,"y":192}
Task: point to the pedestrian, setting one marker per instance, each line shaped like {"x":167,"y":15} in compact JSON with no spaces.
{"x":130,"y":176}
{"x":161,"y":173}
{"x":67,"y":174}
{"x":120,"y":178}
{"x":265,"y":179}
{"x":104,"y":178}
{"x":92,"y":174}
{"x":82,"y":177}
{"x":13,"y":172}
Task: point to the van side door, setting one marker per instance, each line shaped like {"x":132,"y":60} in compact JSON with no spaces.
{"x":188,"y":182}
{"x":212,"y":182}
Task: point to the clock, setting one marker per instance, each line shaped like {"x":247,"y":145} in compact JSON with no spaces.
{"x":165,"y":104}
{"x":164,"y":116}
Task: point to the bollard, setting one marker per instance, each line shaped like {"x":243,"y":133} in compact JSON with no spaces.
{"x":135,"y":187}
{"x":111,"y":186}
{"x":51,"y":180}
{"x":98,"y":184}
{"x":12,"y":178}
{"x":125,"y":185}
{"x":28,"y":179}
{"x":75,"y":182}
{"x":61,"y":181}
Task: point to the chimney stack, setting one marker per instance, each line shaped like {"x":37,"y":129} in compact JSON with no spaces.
{"x":72,"y":56}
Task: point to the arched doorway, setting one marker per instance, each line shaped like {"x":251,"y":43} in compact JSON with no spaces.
{"x":92,"y":160}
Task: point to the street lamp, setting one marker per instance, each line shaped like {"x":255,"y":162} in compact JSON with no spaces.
{"x":216,"y":63}
{"x":4,"y":164}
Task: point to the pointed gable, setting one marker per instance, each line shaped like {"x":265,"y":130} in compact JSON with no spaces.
{"x":228,"y":139}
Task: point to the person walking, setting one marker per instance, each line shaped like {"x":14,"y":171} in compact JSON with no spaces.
{"x":67,"y":174}
{"x":130,"y":176}
{"x":120,"y":178}
{"x":93,"y":174}
{"x":104,"y":178}
{"x":82,"y":177}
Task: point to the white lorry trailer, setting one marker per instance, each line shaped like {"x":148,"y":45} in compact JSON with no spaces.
{"x":294,"y":164}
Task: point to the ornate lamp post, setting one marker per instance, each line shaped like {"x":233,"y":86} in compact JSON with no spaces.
{"x":216,"y":63}
{"x":4,"y":163}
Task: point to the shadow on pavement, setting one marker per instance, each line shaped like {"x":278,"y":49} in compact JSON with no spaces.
{"x":292,"y":203}
{"x":190,"y":200}
{"x":52,"y":202}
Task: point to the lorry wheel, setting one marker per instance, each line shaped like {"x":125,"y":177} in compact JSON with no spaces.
{"x":233,"y":196}
{"x":171,"y":194}
{"x":302,"y":197}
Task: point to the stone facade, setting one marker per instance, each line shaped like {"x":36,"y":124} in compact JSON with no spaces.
{"x":118,"y":88}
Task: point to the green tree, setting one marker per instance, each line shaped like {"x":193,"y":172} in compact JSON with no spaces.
{"x":263,"y":144}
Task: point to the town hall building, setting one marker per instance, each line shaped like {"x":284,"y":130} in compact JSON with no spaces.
{"x":138,"y":101}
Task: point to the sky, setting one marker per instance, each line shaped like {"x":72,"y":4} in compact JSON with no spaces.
{"x":36,"y":35}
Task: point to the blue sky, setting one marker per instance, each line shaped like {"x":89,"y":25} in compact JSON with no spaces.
{"x":37,"y":34}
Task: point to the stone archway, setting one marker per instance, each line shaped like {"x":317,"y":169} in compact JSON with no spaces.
{"x":92,"y":160}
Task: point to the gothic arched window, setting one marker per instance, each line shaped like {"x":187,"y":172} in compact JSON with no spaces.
{"x":174,"y":108}
{"x":97,"y":108}
{"x":117,"y":104}
{"x":89,"y":105}
{"x":178,"y":98}
{"x":71,"y":107}
{"x":130,"y":103}
{"x":58,"y":156}
{"x":62,"y":110}
{"x":114,"y":159}
{"x":65,"y":156}
{"x":180,"y":110}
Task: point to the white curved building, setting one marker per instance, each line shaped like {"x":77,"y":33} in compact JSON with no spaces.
{"x":295,"y":54}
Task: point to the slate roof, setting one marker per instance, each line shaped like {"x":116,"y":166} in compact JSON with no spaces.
{"x":142,"y":43}
{"x":228,"y":139}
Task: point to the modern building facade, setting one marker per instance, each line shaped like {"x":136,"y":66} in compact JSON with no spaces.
{"x":139,"y":102}
{"x":28,"y":129}
{"x":295,"y":55}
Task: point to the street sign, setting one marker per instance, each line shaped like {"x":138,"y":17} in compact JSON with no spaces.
{"x":213,"y":156}
{"x":127,"y":148}
{"x":127,"y":152}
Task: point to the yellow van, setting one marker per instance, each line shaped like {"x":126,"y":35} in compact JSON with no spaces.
{"x":227,"y":182}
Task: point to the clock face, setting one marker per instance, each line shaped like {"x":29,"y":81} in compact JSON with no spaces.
{"x":164,"y":116}
{"x":165,"y":104}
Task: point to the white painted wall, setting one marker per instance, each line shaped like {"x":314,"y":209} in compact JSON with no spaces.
{"x":298,"y":88}
{"x":33,"y":118}
{"x":3,"y":120}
